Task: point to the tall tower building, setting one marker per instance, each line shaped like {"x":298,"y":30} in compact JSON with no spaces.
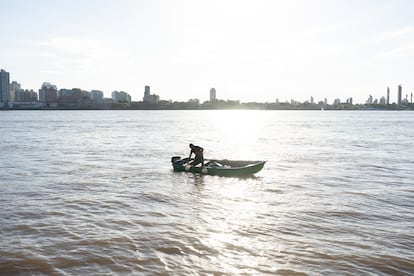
{"x":388,"y":95}
{"x":48,"y":94}
{"x":15,"y":87}
{"x":146,"y":94}
{"x":213,"y":95}
{"x":4,"y":86}
{"x":148,"y":97}
{"x":399,"y":94}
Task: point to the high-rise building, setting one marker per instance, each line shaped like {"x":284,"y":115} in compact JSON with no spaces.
{"x":399,"y":94}
{"x":48,"y":94}
{"x":213,"y":95}
{"x":147,"y":90}
{"x":148,"y":98}
{"x":388,"y":95}
{"x":4,"y":86}
{"x":25,"y":95}
{"x":147,"y":94}
{"x":14,"y":88}
{"x":74,"y":97}
{"x":97,"y":96}
{"x":121,"y":97}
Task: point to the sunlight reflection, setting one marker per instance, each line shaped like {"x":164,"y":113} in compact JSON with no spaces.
{"x":238,"y":129}
{"x":241,"y":124}
{"x":227,"y":230}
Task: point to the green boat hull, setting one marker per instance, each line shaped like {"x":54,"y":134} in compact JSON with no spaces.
{"x":229,"y":168}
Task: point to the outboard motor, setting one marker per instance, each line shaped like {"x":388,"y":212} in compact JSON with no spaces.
{"x":175,"y":159}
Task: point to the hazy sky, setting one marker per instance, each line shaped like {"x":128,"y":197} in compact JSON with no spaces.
{"x":249,"y":50}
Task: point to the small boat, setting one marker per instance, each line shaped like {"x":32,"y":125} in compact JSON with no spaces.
{"x":224,"y":167}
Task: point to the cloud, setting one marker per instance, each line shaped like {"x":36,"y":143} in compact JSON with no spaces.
{"x":402,"y":51}
{"x":72,"y":45}
{"x":388,"y":35}
{"x":76,"y":55}
{"x":328,"y":29}
{"x":78,"y":62}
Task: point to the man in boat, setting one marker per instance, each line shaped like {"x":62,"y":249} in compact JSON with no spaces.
{"x":198,"y":152}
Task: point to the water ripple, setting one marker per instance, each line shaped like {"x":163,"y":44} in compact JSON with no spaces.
{"x":93,"y":193}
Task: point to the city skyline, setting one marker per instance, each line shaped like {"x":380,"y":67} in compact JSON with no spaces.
{"x":258,"y":51}
{"x":10,"y":89}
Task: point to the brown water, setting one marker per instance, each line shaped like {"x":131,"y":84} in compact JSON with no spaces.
{"x":93,"y":192}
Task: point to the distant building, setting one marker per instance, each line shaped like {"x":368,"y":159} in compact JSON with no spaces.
{"x":97,"y":96}
{"x":74,"y":97}
{"x":382,"y":100}
{"x":4,"y":86}
{"x":194,"y":101}
{"x":311,"y":100}
{"x":388,"y":95}
{"x":121,"y":97}
{"x":147,"y":94}
{"x":405,"y":101}
{"x":148,"y":98}
{"x":370,"y":100}
{"x":25,"y":95}
{"x":399,"y":95}
{"x":213,"y":95}
{"x":349,"y":101}
{"x":337,"y":101}
{"x":14,"y":88}
{"x":48,"y":94}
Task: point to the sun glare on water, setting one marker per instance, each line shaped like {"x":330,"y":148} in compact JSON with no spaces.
{"x":238,"y":125}
{"x":239,"y":130}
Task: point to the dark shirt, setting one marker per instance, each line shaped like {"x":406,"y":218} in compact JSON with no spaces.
{"x":198,"y":151}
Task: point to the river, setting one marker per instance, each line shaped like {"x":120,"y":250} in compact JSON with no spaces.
{"x":93,"y":192}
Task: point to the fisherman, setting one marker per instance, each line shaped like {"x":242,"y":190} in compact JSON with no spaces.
{"x":198,"y":152}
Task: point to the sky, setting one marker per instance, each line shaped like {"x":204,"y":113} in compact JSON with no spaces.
{"x":248,"y":50}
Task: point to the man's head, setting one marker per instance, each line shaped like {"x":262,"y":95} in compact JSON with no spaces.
{"x":191,"y":145}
